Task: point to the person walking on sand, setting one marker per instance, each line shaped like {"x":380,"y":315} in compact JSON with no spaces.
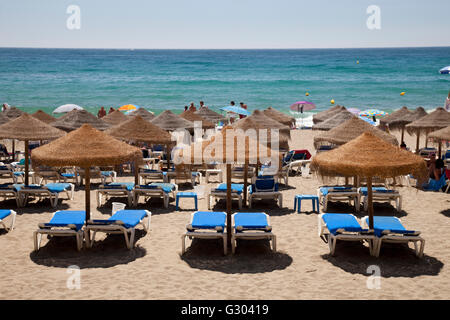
{"x":447,"y":102}
{"x":111,"y":110}
{"x":243,"y":106}
{"x":202,"y":104}
{"x":192,"y":107}
{"x":101,"y":113}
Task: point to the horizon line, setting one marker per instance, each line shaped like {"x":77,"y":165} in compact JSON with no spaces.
{"x":312,"y":48}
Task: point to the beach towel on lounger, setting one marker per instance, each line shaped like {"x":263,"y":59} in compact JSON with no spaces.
{"x":130,"y":218}
{"x":64,"y":218}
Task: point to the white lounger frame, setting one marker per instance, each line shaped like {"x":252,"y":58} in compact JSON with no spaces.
{"x":337,"y":195}
{"x":153,"y":193}
{"x":7,"y":194}
{"x":382,"y":197}
{"x":152,"y":176}
{"x":204,"y":234}
{"x":24,"y":193}
{"x":115,"y":228}
{"x":252,"y":235}
{"x":390,"y":237}
{"x":223,"y":195}
{"x":113,"y":192}
{"x":67,"y":231}
{"x":12,"y":217}
{"x":331,"y":239}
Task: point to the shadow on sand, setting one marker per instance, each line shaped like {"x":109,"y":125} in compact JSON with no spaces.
{"x":61,"y":252}
{"x":252,"y":256}
{"x":395,"y":260}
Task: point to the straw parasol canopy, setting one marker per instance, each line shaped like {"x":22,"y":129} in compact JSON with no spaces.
{"x":397,"y":119}
{"x":350,"y":130}
{"x":268,"y":123}
{"x":279,"y":116}
{"x":442,"y":134}
{"x":192,"y":116}
{"x":13,"y":112}
{"x":3,"y":118}
{"x":114,"y":118}
{"x":327,"y":114}
{"x":338,"y":118}
{"x":436,"y":120}
{"x":144,"y":113}
{"x":210,"y":115}
{"x":26,"y":128}
{"x":76,"y":118}
{"x":138,"y":129}
{"x":169,"y":121}
{"x":249,"y":123}
{"x":45,"y":117}
{"x":86,"y":147}
{"x":369,"y":156}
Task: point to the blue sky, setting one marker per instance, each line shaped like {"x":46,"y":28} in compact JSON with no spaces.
{"x":222,"y":24}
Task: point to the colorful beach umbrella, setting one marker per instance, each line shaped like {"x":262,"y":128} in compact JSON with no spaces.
{"x":67,"y":108}
{"x":368,"y":120}
{"x":301,"y":106}
{"x":236,"y":109}
{"x":128,"y":107}
{"x":373,"y":113}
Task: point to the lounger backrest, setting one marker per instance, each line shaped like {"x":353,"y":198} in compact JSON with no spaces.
{"x":339,"y":222}
{"x":264,"y":185}
{"x":251,"y":221}
{"x":384,"y":225}
{"x":208,"y":220}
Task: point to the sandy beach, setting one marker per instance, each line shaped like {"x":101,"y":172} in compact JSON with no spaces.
{"x":301,"y":269}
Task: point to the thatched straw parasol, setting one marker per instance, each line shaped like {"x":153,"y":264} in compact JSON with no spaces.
{"x":210,"y":115}
{"x":436,"y":120}
{"x":369,"y":156}
{"x":144,"y":113}
{"x":396,"y":120}
{"x":169,"y":121}
{"x":338,"y":118}
{"x":114,"y":118}
{"x":279,"y":116}
{"x":439,"y":136}
{"x":227,"y":147}
{"x":26,"y":128}
{"x":140,"y":130}
{"x":85,"y":147}
{"x":192,"y":116}
{"x":327,"y":114}
{"x":350,"y":130}
{"x":263,"y":137}
{"x":3,"y":118}
{"x":13,"y":112}
{"x":268,"y":123}
{"x":76,"y":118}
{"x":45,"y":117}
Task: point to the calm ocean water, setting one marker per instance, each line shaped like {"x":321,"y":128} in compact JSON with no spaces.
{"x":169,"y":79}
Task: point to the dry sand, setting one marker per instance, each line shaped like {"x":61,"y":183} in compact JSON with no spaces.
{"x":301,"y":269}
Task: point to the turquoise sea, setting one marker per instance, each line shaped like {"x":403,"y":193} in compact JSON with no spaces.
{"x":44,"y":79}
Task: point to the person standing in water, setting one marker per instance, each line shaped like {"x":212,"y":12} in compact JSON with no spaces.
{"x":101,"y":113}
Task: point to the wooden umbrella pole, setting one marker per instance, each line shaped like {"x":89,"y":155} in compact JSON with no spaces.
{"x":27,"y":156}
{"x":87,"y":177}
{"x":403,"y":133}
{"x":440,"y":149}
{"x":229,"y":202}
{"x":168,"y":157}
{"x":13,"y":150}
{"x":136,"y":172}
{"x":370,"y":201}
{"x":417,"y":142}
{"x":245,"y":180}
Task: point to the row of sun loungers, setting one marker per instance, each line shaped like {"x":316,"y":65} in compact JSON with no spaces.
{"x":355,"y":195}
{"x":346,"y":227}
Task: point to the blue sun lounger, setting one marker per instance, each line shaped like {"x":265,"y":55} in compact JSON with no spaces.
{"x":391,"y":230}
{"x":381,"y":194}
{"x":155,"y":190}
{"x":115,"y":189}
{"x":10,"y":214}
{"x":206,"y":225}
{"x":122,"y":222}
{"x":63,"y":224}
{"x":221,"y":193}
{"x":251,"y":226}
{"x":343,"y":226}
{"x":7,"y":191}
{"x":264,"y":188}
{"x":330,"y":193}
{"x":50,"y":191}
